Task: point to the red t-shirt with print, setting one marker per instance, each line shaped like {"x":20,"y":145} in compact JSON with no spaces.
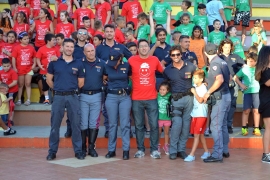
{"x":99,"y":32}
{"x":26,"y":11}
{"x":143,"y":77}
{"x":119,"y":36}
{"x":35,"y":5}
{"x":41,"y":30}
{"x":18,"y":28}
{"x":63,"y":7}
{"x":101,"y":11}
{"x":65,"y":29}
{"x":130,"y":10}
{"x":9,"y":47}
{"x":8,"y":77}
{"x":80,"y":13}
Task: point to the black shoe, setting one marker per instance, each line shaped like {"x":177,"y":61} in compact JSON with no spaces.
{"x":212,"y":159}
{"x":68,"y":133}
{"x":10,"y":132}
{"x":182,"y":155}
{"x":110,"y":154}
{"x":41,"y":99}
{"x":230,"y":130}
{"x":92,"y":137}
{"x":125,"y":155}
{"x":226,"y":155}
{"x":266,"y":158}
{"x":79,"y":156}
{"x":106,"y":135}
{"x":51,"y":156}
{"x":173,"y":156}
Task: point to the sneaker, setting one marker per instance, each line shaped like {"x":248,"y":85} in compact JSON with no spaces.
{"x":9,"y":132}
{"x":205,"y":155}
{"x":266,"y":158}
{"x":27,"y":103}
{"x":139,"y":154}
{"x":230,"y":130}
{"x":189,"y":158}
{"x":19,"y":102}
{"x":166,"y":149}
{"x":257,"y":132}
{"x":158,"y":148}
{"x":206,"y":132}
{"x":155,"y":155}
{"x":46,"y":102}
{"x":244,"y":131}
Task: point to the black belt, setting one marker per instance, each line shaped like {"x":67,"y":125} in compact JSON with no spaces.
{"x":90,"y":92}
{"x":65,"y":93}
{"x":177,"y":96}
{"x":118,"y":91}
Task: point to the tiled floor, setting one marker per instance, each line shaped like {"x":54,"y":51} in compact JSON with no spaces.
{"x":30,"y":164}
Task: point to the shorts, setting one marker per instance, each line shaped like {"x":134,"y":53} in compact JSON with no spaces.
{"x":165,"y":123}
{"x":198,"y":125}
{"x":251,"y":101}
{"x":11,"y":2}
{"x":4,"y":117}
{"x":45,"y":86}
{"x":121,"y":4}
{"x":244,"y":16}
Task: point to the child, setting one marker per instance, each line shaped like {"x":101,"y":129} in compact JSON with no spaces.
{"x":98,"y":28}
{"x":74,"y":36}
{"x":202,"y":20}
{"x":216,"y":36}
{"x":43,"y":58}
{"x":259,"y":37}
{"x":120,"y":24}
{"x":164,"y":121}
{"x":196,"y":4}
{"x":228,"y":7}
{"x":197,"y":45}
{"x":34,"y":6}
{"x":238,"y":46}
{"x":243,"y":12}
{"x":64,"y":27}
{"x":87,"y":25}
{"x":185,"y":27}
{"x":6,"y":21}
{"x":184,"y":6}
{"x":143,"y":28}
{"x":22,"y":8}
{"x":251,"y":89}
{"x":258,"y":22}
{"x":129,"y":37}
{"x":98,"y":39}
{"x":59,"y":41}
{"x":21,"y":24}
{"x":130,"y":11}
{"x":67,"y":5}
{"x":4,"y":110}
{"x":175,"y":37}
{"x":131,"y":25}
{"x":253,"y":49}
{"x":23,"y":62}
{"x":9,"y":45}
{"x":103,"y":11}
{"x":199,"y":116}
{"x":132,"y":47}
{"x":45,"y":4}
{"x":159,"y":9}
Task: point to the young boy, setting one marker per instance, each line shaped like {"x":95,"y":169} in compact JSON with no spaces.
{"x":130,"y":11}
{"x":59,"y":41}
{"x":175,"y":37}
{"x":129,"y":36}
{"x":259,"y":37}
{"x":216,"y":36}
{"x":98,"y":28}
{"x":87,"y":25}
{"x":143,"y":28}
{"x":119,"y":35}
{"x":199,"y":116}
{"x":132,"y":47}
{"x":184,"y":6}
{"x":243,"y":13}
{"x":159,"y":9}
{"x":251,"y":89}
{"x":202,"y":20}
{"x":196,"y":4}
{"x":43,"y":57}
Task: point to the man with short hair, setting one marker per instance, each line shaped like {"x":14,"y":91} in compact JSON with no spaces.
{"x":186,"y":54}
{"x":79,"y":45}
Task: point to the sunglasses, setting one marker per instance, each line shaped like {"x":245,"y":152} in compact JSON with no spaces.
{"x":177,"y":55}
{"x":82,"y":33}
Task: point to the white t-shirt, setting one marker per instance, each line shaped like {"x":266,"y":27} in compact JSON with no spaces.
{"x":212,"y":10}
{"x":199,"y":109}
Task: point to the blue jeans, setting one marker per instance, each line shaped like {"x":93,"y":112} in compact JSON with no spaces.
{"x":138,"y":109}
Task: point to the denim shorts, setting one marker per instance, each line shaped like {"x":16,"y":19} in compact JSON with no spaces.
{"x":251,"y":101}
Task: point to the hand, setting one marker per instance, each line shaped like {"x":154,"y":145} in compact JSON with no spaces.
{"x":168,"y":11}
{"x":9,"y":15}
{"x":243,"y":36}
{"x":226,"y":25}
{"x":243,"y":87}
{"x":157,"y":44}
{"x":15,"y":69}
{"x":105,"y":82}
{"x":151,"y":13}
{"x":205,"y":97}
{"x":41,"y":67}
{"x":139,"y":24}
{"x":53,"y":58}
{"x":192,"y":90}
{"x":250,"y":14}
{"x":259,"y":37}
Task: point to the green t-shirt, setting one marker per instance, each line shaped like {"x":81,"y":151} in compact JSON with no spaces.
{"x":143,"y":32}
{"x":227,"y":11}
{"x":247,"y":74}
{"x":242,"y":5}
{"x":178,"y":15}
{"x":203,"y":22}
{"x":238,"y":48}
{"x":216,"y":37}
{"x":196,"y":3}
{"x":162,"y":103}
{"x":185,"y":29}
{"x":159,"y":10}
{"x":154,"y":39}
{"x":255,"y":40}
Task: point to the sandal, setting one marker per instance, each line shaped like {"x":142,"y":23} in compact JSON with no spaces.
{"x":19,"y":102}
{"x":27,"y":103}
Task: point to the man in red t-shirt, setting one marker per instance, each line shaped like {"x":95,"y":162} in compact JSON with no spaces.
{"x":144,"y":97}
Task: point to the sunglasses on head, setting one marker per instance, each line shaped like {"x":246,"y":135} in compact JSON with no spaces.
{"x":82,"y":33}
{"x":177,"y":55}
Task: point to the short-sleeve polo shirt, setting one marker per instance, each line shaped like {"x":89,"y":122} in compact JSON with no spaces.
{"x":234,"y":63}
{"x":189,"y":56}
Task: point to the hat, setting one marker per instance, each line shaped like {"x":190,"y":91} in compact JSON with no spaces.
{"x":211,"y":49}
{"x":114,"y":56}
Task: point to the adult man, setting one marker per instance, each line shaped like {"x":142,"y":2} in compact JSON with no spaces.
{"x":103,"y":52}
{"x":218,"y":86}
{"x":91,"y":97}
{"x":68,"y":77}
{"x":161,"y":50}
{"x":179,"y":74}
{"x":186,"y":54}
{"x":144,"y":97}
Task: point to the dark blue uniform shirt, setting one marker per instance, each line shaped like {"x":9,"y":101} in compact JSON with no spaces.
{"x":234,"y":62}
{"x":103,"y":50}
{"x":66,"y":74}
{"x":94,"y":72}
{"x":219,"y":66}
{"x":118,"y":78}
{"x":180,"y":80}
{"x":189,"y":56}
{"x":78,"y":52}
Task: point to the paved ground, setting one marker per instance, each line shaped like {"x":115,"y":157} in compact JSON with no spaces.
{"x":30,"y":164}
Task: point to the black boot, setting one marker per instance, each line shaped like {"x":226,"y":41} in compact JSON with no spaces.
{"x":84,"y":149}
{"x":91,"y":142}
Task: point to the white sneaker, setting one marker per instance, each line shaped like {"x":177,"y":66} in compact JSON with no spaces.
{"x":139,"y":154}
{"x":155,"y":155}
{"x":189,"y":158}
{"x":205,"y":155}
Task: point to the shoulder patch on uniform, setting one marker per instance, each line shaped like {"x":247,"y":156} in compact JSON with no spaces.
{"x":214,"y":68}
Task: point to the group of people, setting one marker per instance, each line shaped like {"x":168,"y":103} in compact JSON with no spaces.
{"x":129,"y":66}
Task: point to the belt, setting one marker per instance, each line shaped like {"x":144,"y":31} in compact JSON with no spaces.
{"x":118,"y":91}
{"x":90,"y":92}
{"x":177,"y":96}
{"x":65,"y":93}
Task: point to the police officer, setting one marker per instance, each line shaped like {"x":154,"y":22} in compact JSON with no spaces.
{"x":234,"y":63}
{"x":218,"y":86}
{"x":103,"y":52}
{"x":90,"y":99}
{"x":186,"y":54}
{"x":68,"y":77}
{"x":118,"y":102}
{"x":179,"y":74}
